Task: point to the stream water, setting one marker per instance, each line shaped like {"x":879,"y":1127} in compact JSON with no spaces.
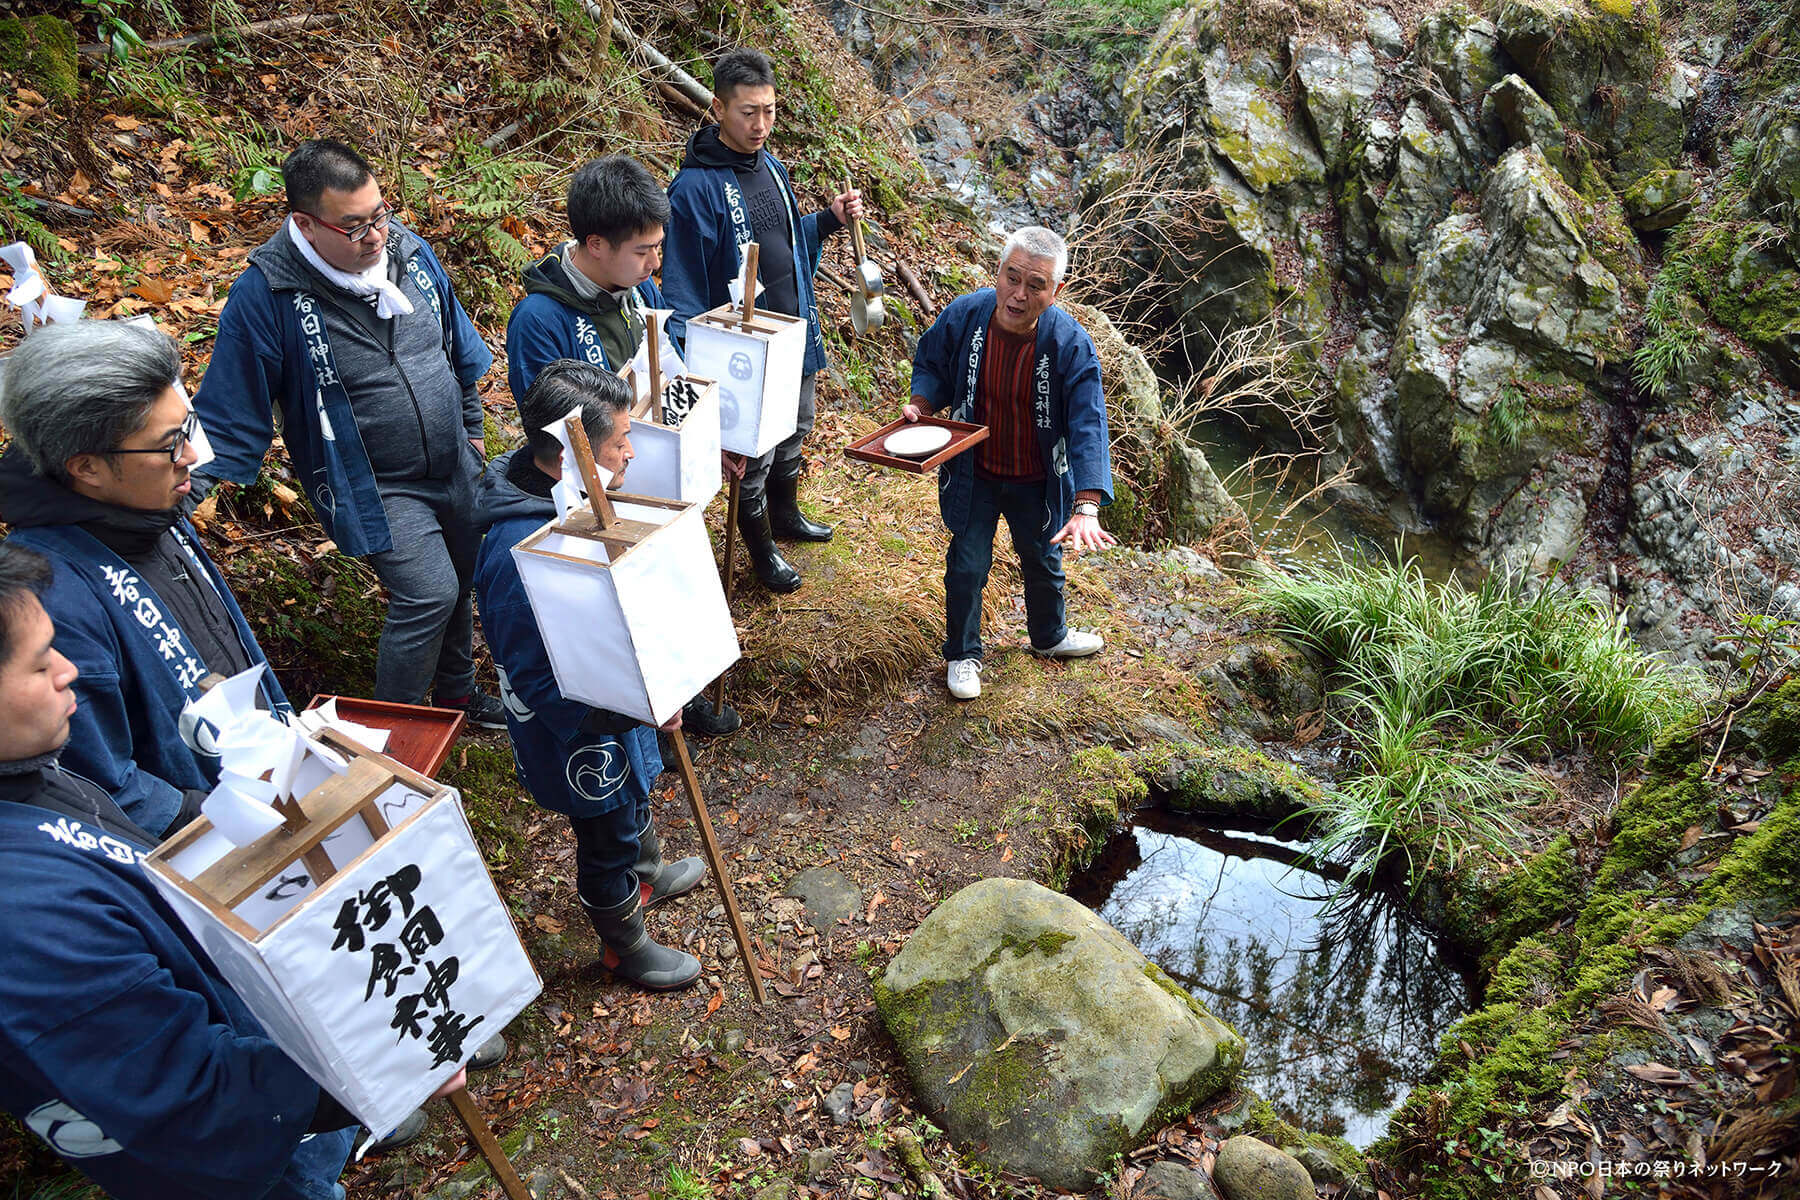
{"x":1340,"y":1017}
{"x":1289,"y":524}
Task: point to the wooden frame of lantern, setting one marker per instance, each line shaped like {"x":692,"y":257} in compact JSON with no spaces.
{"x":758,"y":359}
{"x":270,"y":915}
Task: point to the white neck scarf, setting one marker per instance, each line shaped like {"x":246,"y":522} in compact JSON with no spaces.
{"x":390,"y":301}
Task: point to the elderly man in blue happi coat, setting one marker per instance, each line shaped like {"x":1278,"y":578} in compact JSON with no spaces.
{"x":1008,"y":358}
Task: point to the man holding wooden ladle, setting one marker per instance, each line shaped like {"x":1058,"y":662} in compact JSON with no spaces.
{"x":730,"y":192}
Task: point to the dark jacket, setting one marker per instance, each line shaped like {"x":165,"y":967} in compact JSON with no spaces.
{"x":575,"y":760}
{"x":553,"y":321}
{"x":708,"y":223}
{"x":120,"y":1045}
{"x":1068,"y":410}
{"x":138,"y":660}
{"x":350,"y":413}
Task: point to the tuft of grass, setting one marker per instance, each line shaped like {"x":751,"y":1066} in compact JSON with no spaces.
{"x":1446,"y":691}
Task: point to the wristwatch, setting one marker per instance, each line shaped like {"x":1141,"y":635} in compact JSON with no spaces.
{"x":1087,"y":508}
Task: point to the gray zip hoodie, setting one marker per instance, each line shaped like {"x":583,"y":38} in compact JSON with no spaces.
{"x":412,"y":413}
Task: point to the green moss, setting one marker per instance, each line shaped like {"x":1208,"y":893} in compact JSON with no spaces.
{"x":1231,"y":780}
{"x":1048,"y":943}
{"x":1650,"y":823}
{"x":1764,"y":864}
{"x":1108,"y":781}
{"x":1265,"y":1124}
{"x":41,"y":51}
{"x":485,"y":775}
{"x":1528,"y":975}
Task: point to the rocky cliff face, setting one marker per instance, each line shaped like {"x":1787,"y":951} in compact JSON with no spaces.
{"x":1534,"y":257}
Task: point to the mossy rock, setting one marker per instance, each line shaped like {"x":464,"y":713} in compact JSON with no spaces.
{"x":1040,"y":1039}
{"x":41,"y":51}
{"x":1229,"y":781}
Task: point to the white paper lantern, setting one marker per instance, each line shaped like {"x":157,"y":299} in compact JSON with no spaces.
{"x":758,"y":365}
{"x":633,"y":617}
{"x":365,"y":934}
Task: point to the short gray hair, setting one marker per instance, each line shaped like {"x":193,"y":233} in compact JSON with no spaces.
{"x":559,"y":388}
{"x":82,"y":387}
{"x":1039,"y":242}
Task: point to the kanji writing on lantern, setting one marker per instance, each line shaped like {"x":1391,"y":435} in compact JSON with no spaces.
{"x":371,"y":907}
{"x":394,"y":963}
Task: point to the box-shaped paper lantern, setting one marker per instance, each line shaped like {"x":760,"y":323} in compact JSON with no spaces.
{"x":758,"y":365}
{"x":677,"y":441}
{"x":364,"y":933}
{"x":632,"y":614}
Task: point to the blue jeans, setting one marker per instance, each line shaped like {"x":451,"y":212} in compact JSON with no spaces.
{"x":312,"y":1174}
{"x":971,"y":556}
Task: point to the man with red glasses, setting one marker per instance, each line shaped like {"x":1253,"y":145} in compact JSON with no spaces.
{"x":345,"y":322}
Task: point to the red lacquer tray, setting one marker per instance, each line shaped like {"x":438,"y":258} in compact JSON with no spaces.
{"x":418,"y":736}
{"x":962,"y":436}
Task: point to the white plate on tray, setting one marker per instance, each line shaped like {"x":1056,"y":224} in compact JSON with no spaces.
{"x":917,"y":441}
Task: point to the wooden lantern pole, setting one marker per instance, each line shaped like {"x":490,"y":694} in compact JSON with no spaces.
{"x":590,"y":476}
{"x":463,"y":1105}
{"x":750,"y":264}
{"x":656,"y":379}
{"x":732,"y":494}
{"x":716,"y":861}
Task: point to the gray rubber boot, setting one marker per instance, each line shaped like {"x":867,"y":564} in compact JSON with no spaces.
{"x":659,"y":880}
{"x":629,"y":953}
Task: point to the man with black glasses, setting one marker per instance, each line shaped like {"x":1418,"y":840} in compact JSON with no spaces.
{"x":345,"y":321}
{"x":95,"y":480}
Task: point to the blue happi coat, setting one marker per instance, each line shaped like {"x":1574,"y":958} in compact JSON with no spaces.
{"x":120,"y":1044}
{"x":708,"y":224}
{"x":272,"y":352}
{"x":137,"y":670}
{"x":542,"y":330}
{"x":575,"y":760}
{"x":1068,"y":404}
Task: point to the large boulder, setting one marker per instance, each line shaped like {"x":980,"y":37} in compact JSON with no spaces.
{"x":1225,"y":125}
{"x":1510,"y":321}
{"x":1602,"y":66}
{"x":1040,"y":1039}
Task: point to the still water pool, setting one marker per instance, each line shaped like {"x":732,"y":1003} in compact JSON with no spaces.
{"x":1340,"y":1016}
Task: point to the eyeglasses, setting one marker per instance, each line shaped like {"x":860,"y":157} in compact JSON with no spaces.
{"x":174,"y":449}
{"x":357,"y":233}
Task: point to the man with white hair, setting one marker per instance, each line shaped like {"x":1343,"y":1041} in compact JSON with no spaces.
{"x":1008,"y":358}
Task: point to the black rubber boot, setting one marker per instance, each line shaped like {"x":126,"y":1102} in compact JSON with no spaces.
{"x":786,"y":520}
{"x":698,"y":718}
{"x":628,"y":952}
{"x":659,"y":880}
{"x":772,"y":570}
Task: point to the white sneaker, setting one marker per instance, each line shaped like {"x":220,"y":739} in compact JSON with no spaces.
{"x":1077,"y":643}
{"x":964,"y":678}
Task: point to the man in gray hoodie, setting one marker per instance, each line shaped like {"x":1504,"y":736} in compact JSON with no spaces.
{"x":345,"y":323}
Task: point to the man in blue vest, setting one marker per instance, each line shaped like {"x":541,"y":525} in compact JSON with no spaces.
{"x":1008,"y":358}
{"x":346,"y":324}
{"x":729,"y":192}
{"x":120,"y":1044}
{"x":95,"y":480}
{"x":594,"y":767}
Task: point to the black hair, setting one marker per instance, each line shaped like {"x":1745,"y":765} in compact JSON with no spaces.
{"x":22,"y":573}
{"x":738,"y":68}
{"x":617,"y":198}
{"x":320,"y":164}
{"x":563,"y":385}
